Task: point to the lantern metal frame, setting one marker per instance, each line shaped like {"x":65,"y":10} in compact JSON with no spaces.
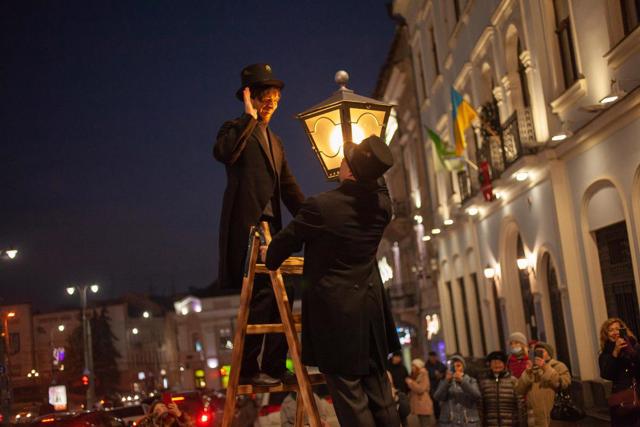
{"x":343,"y":100}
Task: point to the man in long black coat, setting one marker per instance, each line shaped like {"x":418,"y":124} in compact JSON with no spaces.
{"x":347,"y":328}
{"x":258,"y":178}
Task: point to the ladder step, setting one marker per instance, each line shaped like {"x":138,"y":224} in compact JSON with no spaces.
{"x":315,"y":379}
{"x":291,"y":266}
{"x":269,"y":328}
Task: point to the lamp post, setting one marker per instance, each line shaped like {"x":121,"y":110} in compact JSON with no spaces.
{"x":86,"y":337}
{"x":344,"y":116}
{"x":5,"y":372}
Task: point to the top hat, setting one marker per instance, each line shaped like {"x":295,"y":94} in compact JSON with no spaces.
{"x":369,"y":159}
{"x":257,"y":75}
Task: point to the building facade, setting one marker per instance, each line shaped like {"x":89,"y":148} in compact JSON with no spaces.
{"x":537,"y":230}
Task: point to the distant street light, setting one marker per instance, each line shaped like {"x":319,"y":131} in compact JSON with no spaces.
{"x":61,"y":328}
{"x":135,"y":331}
{"x":86,"y":338}
{"x":11,"y":253}
{"x":146,"y":314}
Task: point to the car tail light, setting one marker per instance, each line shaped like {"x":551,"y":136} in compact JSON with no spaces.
{"x":48,"y":420}
{"x":205,"y":418}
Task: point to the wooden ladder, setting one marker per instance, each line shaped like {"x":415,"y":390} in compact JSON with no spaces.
{"x":289,"y":327}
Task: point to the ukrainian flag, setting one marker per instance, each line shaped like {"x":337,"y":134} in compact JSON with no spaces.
{"x":463,"y":114}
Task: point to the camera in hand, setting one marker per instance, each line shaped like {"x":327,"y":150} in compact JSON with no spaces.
{"x":623,"y":332}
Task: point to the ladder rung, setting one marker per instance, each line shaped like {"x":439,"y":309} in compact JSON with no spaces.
{"x":269,"y":328}
{"x":291,"y":266}
{"x":249,"y":389}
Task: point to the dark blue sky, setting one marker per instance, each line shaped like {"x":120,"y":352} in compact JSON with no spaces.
{"x":108,"y":113}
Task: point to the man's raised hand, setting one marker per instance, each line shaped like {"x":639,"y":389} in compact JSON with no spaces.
{"x":248,"y":106}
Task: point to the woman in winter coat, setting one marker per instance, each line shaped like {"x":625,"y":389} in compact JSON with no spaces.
{"x":458,"y":394}
{"x":518,"y":350}
{"x":544,"y":377}
{"x":619,"y":362}
{"x":421,"y":404}
{"x":501,"y":405}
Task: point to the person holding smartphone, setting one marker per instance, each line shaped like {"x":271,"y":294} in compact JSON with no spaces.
{"x":458,"y":394}
{"x":619,"y":362}
{"x":540,"y":382}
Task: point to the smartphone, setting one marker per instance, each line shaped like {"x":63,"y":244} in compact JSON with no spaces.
{"x":166,"y":398}
{"x":451,"y":366}
{"x":623,"y":332}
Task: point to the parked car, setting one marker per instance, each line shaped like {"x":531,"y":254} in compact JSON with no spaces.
{"x":78,"y":419}
{"x":129,"y":414}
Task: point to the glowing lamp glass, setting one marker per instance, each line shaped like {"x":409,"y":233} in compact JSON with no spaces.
{"x":522,"y":176}
{"x":436,"y":231}
{"x":448,"y":221}
{"x":426,"y":238}
{"x":71,"y":290}
{"x":473,"y":211}
{"x":95,"y":288}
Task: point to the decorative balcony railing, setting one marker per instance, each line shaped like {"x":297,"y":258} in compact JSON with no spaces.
{"x":505,"y":144}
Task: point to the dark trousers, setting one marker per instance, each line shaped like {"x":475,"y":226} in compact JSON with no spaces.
{"x":363,"y":401}
{"x":263,"y":309}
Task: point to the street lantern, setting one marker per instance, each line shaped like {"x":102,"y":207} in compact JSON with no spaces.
{"x":344,"y":116}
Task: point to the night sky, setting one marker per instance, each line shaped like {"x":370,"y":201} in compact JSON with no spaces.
{"x":108,"y":114}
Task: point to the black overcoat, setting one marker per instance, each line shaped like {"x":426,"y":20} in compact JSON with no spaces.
{"x":341,"y":230}
{"x":253,"y":179}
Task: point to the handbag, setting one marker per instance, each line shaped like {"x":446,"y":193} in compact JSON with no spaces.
{"x":625,"y":402}
{"x":564,"y":409}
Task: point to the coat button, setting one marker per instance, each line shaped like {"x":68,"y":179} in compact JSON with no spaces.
{"x":356,"y":287}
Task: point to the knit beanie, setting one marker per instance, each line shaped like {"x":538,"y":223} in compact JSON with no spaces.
{"x":496,"y":355}
{"x":546,"y":346}
{"x":458,"y":358}
{"x":518,"y":337}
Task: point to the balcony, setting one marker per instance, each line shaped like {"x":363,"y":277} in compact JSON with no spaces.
{"x":505,"y":144}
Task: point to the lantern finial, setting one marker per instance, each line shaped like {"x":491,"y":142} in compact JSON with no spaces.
{"x":342,"y":78}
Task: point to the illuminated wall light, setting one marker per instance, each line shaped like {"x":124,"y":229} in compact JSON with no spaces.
{"x":489,"y":272}
{"x":386,"y":272}
{"x":435,"y":231}
{"x":564,"y":133}
{"x":448,"y":221}
{"x":426,"y":238}
{"x":523,"y":263}
{"x":498,"y":195}
{"x":472,"y":211}
{"x":418,"y":219}
{"x":522,"y":176}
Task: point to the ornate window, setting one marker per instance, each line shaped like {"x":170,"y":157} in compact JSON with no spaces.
{"x":565,"y":42}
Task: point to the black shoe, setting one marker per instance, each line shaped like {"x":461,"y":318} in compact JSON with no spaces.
{"x":260,"y":379}
{"x":289,"y":378}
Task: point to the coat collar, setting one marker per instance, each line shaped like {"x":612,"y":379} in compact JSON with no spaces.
{"x":276,"y":161}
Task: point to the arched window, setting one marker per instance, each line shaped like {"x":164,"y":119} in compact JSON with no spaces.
{"x":557,"y":310}
{"x":565,"y":42}
{"x":526,"y":98}
{"x":527,"y":296}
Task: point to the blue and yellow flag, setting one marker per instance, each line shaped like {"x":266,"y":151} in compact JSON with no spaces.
{"x":463,"y":114}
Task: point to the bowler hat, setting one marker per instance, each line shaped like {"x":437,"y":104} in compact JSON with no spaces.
{"x":257,"y":75}
{"x":369,"y":159}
